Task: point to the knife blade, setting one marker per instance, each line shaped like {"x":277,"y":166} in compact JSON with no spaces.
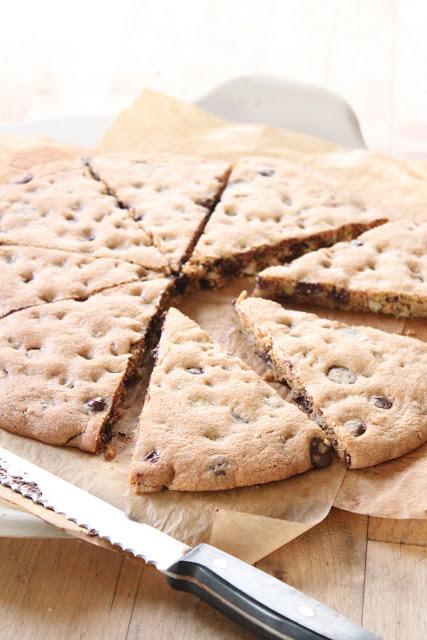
{"x":255,"y":600}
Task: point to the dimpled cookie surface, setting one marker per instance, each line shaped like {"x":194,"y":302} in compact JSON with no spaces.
{"x":210,"y":422}
{"x":63,"y":365}
{"x":31,"y":276}
{"x":60,"y":206}
{"x":383,"y":270}
{"x":270,"y":211}
{"x":365,"y":387}
{"x":170,"y":196}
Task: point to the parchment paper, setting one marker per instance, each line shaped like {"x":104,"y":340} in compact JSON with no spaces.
{"x":249,"y":522}
{"x":398,"y":188}
{"x":396,"y":489}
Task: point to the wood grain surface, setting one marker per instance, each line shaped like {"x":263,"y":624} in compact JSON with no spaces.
{"x":71,"y":589}
{"x":373,"y":53}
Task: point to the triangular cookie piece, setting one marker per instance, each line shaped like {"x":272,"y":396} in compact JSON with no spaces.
{"x":63,"y":365}
{"x":171,"y":196}
{"x":60,"y":206}
{"x":272,"y":211}
{"x":31,"y":276}
{"x":210,"y":422}
{"x":365,"y":387}
{"x":383,"y":271}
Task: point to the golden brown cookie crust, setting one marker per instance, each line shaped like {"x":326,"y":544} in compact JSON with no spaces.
{"x":61,"y":206}
{"x":63,"y":365}
{"x":209,"y":422}
{"x":271,"y":211}
{"x":365,"y":387}
{"x":30,"y":276}
{"x":170,"y":196}
{"x":383,"y":271}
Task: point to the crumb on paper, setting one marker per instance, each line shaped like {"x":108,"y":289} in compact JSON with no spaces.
{"x":110,"y":453}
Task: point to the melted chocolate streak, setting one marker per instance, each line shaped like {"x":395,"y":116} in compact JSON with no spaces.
{"x":23,"y":485}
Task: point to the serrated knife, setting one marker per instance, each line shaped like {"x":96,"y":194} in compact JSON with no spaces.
{"x":258,"y":602}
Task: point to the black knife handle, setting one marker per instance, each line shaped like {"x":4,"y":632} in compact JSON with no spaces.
{"x":256,"y":601}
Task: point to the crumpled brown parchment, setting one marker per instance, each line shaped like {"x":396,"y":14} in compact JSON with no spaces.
{"x":249,"y":522}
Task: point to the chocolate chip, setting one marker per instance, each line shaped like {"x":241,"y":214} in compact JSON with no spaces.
{"x":180,"y":284}
{"x":23,"y":179}
{"x":205,"y":202}
{"x":341,"y":375}
{"x":304,"y":403}
{"x":356,"y":243}
{"x":339,"y":296}
{"x":195,"y":370}
{"x":320,"y":453}
{"x":219,"y":466}
{"x":266,"y":358}
{"x":382,"y":402}
{"x":151,"y":456}
{"x":265,"y":171}
{"x":236,"y":415}
{"x":228,"y":267}
{"x":97,"y":404}
{"x":261,"y":283}
{"x":309,"y":289}
{"x":355,"y":427}
{"x":139,"y":216}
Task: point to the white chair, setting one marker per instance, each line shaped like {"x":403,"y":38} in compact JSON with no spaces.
{"x":288,"y":104}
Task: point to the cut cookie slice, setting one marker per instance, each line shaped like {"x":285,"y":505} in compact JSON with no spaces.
{"x":61,"y":206}
{"x":209,"y":422}
{"x":272,"y":211}
{"x":384,"y":270}
{"x":365,"y":387}
{"x":31,"y":276}
{"x":63,"y":365}
{"x":171,"y":196}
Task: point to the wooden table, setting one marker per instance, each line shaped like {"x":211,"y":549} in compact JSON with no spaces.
{"x":372,"y":52}
{"x":373,"y":571}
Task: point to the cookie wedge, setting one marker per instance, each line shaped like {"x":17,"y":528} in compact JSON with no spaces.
{"x":209,"y":422}
{"x":170,"y":196}
{"x":60,"y":206}
{"x":30,"y":276}
{"x":272,"y":211}
{"x":366,"y":388}
{"x":383,"y":271}
{"x":63,"y":366}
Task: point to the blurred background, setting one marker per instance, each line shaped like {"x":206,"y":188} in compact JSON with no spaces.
{"x":88,"y":57}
